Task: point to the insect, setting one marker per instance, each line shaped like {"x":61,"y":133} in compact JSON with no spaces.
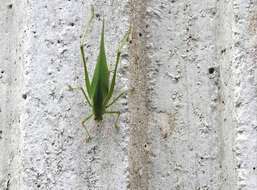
{"x":99,"y":91}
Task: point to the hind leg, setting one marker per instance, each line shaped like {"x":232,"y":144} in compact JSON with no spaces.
{"x":117,"y":118}
{"x":83,"y":124}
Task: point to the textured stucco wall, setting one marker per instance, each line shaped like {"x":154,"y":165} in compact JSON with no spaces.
{"x":188,"y":122}
{"x":11,"y":82}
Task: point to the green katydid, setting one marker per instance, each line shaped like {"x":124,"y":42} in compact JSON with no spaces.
{"x":98,"y":92}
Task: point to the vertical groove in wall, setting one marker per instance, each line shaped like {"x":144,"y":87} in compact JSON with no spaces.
{"x":224,"y":54}
{"x":5,"y":86}
{"x":138,"y":146}
{"x":10,"y":92}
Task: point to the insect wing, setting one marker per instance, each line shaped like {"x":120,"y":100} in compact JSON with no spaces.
{"x":100,"y":82}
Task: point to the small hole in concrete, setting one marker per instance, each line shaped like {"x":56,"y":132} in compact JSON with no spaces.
{"x":140,"y":34}
{"x":97,"y":15}
{"x":2,"y":71}
{"x":24,"y":96}
{"x":9,"y":6}
{"x":211,"y":70}
{"x":223,"y":51}
{"x":72,"y":24}
{"x":254,"y":168}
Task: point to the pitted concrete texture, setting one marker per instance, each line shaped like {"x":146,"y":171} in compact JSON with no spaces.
{"x":188,"y":122}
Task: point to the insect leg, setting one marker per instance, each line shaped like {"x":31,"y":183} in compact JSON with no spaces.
{"x":84,"y":60}
{"x":120,"y":46}
{"x":83,"y":124}
{"x":117,"y":118}
{"x":88,"y":101}
{"x":84,"y":93}
{"x":115,"y":99}
{"x":87,"y":26}
{"x":82,"y":51}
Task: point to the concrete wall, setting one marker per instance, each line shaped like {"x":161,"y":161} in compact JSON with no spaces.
{"x":189,"y":121}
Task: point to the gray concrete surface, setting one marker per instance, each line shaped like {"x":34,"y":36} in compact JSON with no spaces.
{"x":188,"y":122}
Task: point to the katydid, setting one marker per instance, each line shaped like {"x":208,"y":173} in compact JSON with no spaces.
{"x":98,"y":92}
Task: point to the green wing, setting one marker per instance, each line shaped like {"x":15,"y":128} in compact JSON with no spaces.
{"x":100,"y":81}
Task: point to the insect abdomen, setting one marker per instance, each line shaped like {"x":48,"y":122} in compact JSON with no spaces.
{"x":98,"y":105}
